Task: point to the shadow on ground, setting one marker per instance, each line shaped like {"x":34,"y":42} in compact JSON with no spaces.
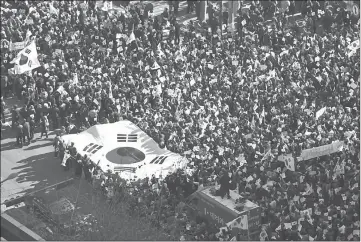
{"x":40,"y":170}
{"x":9,"y":146}
{"x":38,"y":146}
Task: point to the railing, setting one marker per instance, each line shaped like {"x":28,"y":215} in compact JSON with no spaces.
{"x":20,"y":199}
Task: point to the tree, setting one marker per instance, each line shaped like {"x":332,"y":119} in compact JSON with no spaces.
{"x":95,"y":218}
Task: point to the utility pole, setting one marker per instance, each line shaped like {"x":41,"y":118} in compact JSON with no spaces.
{"x":203,"y":10}
{"x":230,"y":15}
{"x":221,"y":18}
{"x":233,"y":7}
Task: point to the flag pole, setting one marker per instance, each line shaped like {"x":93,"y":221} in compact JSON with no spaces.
{"x":247,"y":227}
{"x":248,"y":231}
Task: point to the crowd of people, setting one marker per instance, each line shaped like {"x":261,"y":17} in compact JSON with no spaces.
{"x":231,"y":103}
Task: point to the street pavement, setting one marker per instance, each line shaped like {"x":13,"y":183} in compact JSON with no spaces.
{"x":29,"y":168}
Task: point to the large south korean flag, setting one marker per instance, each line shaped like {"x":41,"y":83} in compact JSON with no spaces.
{"x":27,"y":59}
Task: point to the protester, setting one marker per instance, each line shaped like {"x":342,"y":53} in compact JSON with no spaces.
{"x":44,"y":127}
{"x":230,"y":104}
{"x":56,"y":144}
{"x":224,"y":181}
{"x":26,"y":131}
{"x":19,"y":134}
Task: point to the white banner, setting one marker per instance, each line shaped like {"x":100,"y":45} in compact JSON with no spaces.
{"x":321,"y":150}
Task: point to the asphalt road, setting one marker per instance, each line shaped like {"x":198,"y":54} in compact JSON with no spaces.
{"x":29,"y":168}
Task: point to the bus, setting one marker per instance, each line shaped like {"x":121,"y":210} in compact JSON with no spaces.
{"x":220,"y":211}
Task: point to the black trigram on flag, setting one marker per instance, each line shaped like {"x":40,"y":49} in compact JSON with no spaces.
{"x":158,"y":160}
{"x":127,"y":137}
{"x":92,"y":148}
{"x":132,"y":137}
{"x":122,"y":138}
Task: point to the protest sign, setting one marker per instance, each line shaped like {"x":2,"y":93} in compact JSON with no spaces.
{"x":62,"y":91}
{"x":320,"y":112}
{"x":248,"y":136}
{"x":102,"y":49}
{"x":353,"y":48}
{"x":17,"y":46}
{"x":271,"y":174}
{"x":307,"y":212}
{"x":353,"y":85}
{"x":239,"y":72}
{"x":83,"y":6}
{"x":4,"y":44}
{"x":321,"y":150}
{"x":339,"y":169}
{"x":241,"y":159}
{"x":29,"y":21}
{"x":58,"y":52}
{"x":288,"y":160}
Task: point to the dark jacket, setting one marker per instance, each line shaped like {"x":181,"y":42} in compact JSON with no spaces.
{"x":26,"y":129}
{"x":19,"y":130}
{"x":224,"y":181}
